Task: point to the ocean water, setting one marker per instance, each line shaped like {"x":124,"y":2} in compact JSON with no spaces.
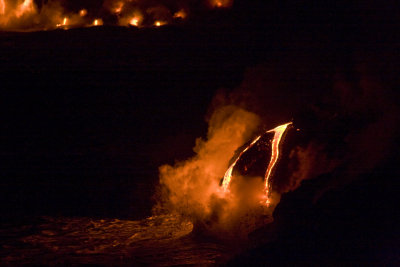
{"x":163,"y":240}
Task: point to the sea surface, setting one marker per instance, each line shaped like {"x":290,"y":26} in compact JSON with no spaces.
{"x":163,"y":240}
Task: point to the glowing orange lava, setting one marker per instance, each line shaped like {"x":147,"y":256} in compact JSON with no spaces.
{"x":134,"y":21}
{"x":26,"y":7}
{"x":83,"y":12}
{"x":64,"y":23}
{"x":278,"y":133}
{"x":228,"y":174}
{"x":181,"y":14}
{"x":220,"y":3}
{"x":97,"y":22}
{"x":34,"y":15}
{"x":2,"y":7}
{"x":158,"y":23}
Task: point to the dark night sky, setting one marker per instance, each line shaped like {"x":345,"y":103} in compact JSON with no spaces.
{"x":89,"y":114}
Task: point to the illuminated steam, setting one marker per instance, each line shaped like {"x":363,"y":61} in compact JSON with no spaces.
{"x":342,"y":128}
{"x":192,"y":187}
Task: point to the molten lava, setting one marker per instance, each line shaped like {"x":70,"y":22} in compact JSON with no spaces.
{"x":29,"y":15}
{"x":181,"y":14}
{"x":118,"y":8}
{"x":64,"y":23}
{"x":159,"y":23}
{"x":26,"y":7}
{"x":2,"y":7}
{"x":228,"y":174}
{"x":278,"y":133}
{"x":220,"y":3}
{"x":97,"y":22}
{"x":83,"y":12}
{"x":134,"y":21}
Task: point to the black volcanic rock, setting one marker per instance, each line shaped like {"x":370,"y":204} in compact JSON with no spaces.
{"x":318,"y":224}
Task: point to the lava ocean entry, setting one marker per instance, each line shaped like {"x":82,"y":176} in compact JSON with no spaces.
{"x":274,"y":144}
{"x":212,"y":132}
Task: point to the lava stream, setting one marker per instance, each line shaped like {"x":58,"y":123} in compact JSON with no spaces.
{"x":228,"y":173}
{"x":278,"y":133}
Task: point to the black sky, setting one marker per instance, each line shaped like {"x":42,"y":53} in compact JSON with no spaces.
{"x":89,"y":114}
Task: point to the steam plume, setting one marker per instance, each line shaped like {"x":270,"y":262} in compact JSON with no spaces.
{"x":353,"y":123}
{"x":192,"y":187}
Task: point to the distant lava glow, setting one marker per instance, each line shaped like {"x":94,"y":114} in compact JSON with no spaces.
{"x":97,"y":22}
{"x":134,"y":21}
{"x":278,"y":133}
{"x":2,"y":7}
{"x":83,"y":12}
{"x":31,"y":15}
{"x":26,"y":7}
{"x":15,"y":12}
{"x":181,"y":14}
{"x":220,"y":3}
{"x":159,"y":23}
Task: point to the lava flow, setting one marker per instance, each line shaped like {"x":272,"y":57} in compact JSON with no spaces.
{"x":278,"y":133}
{"x":33,"y":15}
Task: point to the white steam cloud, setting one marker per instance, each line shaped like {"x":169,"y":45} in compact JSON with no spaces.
{"x":192,"y":187}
